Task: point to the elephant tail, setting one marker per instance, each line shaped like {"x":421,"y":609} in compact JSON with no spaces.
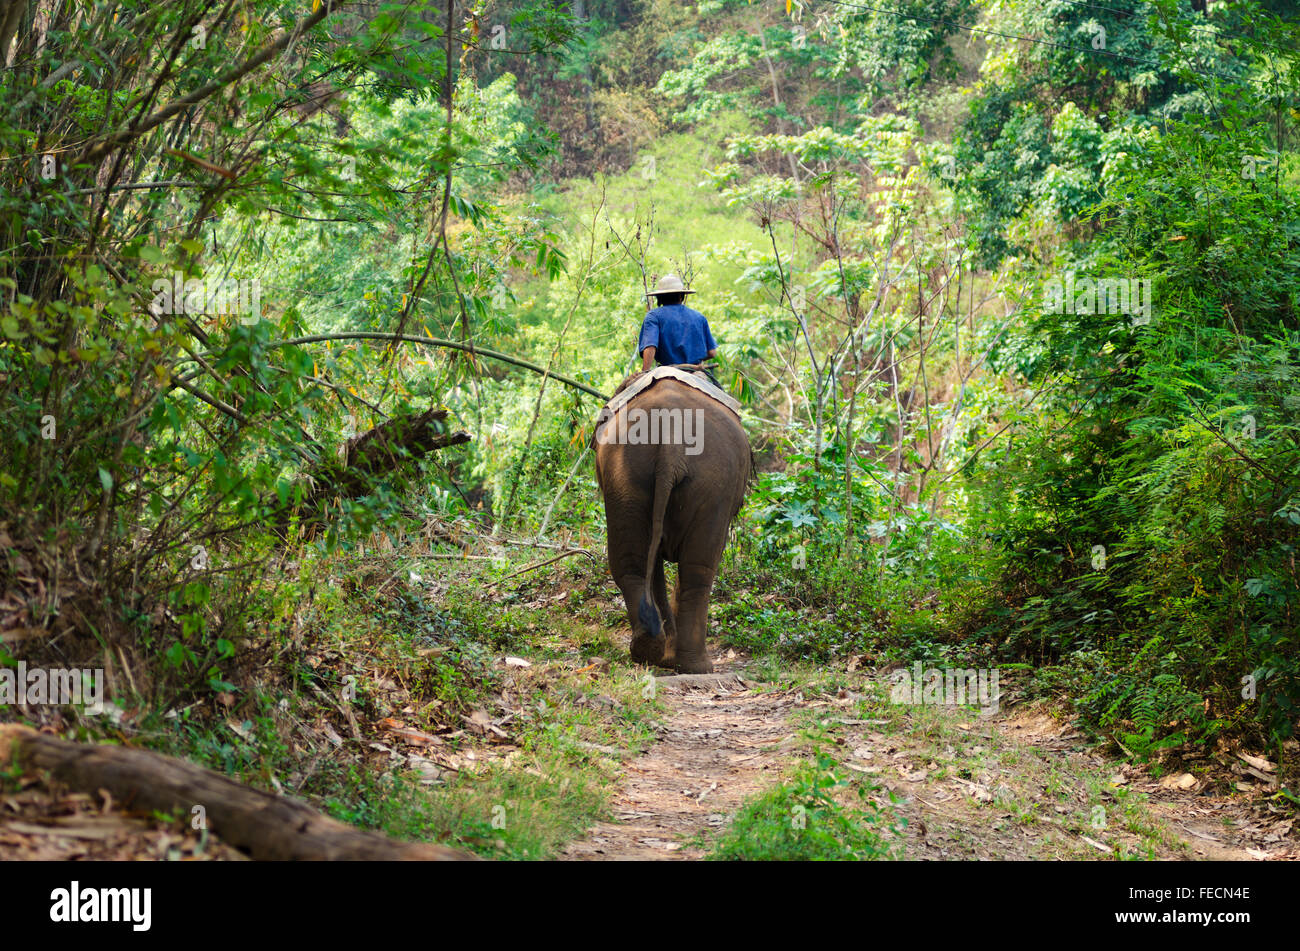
{"x":646,"y":610}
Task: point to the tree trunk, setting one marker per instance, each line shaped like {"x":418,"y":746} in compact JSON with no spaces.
{"x":265,"y":826}
{"x":382,"y":449}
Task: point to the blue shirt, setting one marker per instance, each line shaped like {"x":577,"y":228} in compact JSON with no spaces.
{"x":678,"y":334}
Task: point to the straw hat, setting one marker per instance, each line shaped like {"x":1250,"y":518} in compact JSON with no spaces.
{"x":669,"y":284}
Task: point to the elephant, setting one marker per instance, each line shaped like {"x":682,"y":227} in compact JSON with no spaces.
{"x":670,"y":499}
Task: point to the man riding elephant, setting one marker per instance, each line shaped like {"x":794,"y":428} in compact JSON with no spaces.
{"x":673,"y":334}
{"x":673,"y":463}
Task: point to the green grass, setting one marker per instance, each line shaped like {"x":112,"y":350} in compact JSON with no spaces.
{"x":528,"y":807}
{"x":505,"y":813}
{"x":816,"y":814}
{"x":379,"y":648}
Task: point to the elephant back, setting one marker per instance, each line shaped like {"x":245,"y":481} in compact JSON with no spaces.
{"x":635,"y":385}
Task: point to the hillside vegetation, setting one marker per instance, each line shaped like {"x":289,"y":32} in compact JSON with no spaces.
{"x":1007,"y":288}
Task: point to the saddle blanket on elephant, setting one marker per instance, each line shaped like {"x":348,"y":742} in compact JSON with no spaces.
{"x":640,"y":384}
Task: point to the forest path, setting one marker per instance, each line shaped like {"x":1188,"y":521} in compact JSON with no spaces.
{"x":721,"y":742}
{"x":1019,"y":784}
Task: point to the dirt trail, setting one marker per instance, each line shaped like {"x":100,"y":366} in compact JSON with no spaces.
{"x":720,"y":743}
{"x":1018,"y":785}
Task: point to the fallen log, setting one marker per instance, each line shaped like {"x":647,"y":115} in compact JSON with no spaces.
{"x":261,"y":824}
{"x":379,"y":450}
{"x":382,"y":449}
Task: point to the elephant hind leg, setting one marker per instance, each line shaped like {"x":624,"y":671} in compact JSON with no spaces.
{"x":667,"y":614}
{"x":648,"y":639}
{"x":694,"y":585}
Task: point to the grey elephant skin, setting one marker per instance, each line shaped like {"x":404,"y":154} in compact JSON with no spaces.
{"x":669,"y":501}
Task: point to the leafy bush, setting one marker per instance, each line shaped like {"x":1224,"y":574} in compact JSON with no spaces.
{"x":1150,"y":520}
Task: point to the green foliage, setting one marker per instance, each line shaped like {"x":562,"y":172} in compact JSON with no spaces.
{"x":806,"y":819}
{"x":1151,"y":525}
{"x":900,"y":47}
{"x":871,"y":202}
{"x":1058,"y":114}
{"x":160,"y":426}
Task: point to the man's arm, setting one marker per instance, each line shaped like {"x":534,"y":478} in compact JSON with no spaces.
{"x":648,"y":341}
